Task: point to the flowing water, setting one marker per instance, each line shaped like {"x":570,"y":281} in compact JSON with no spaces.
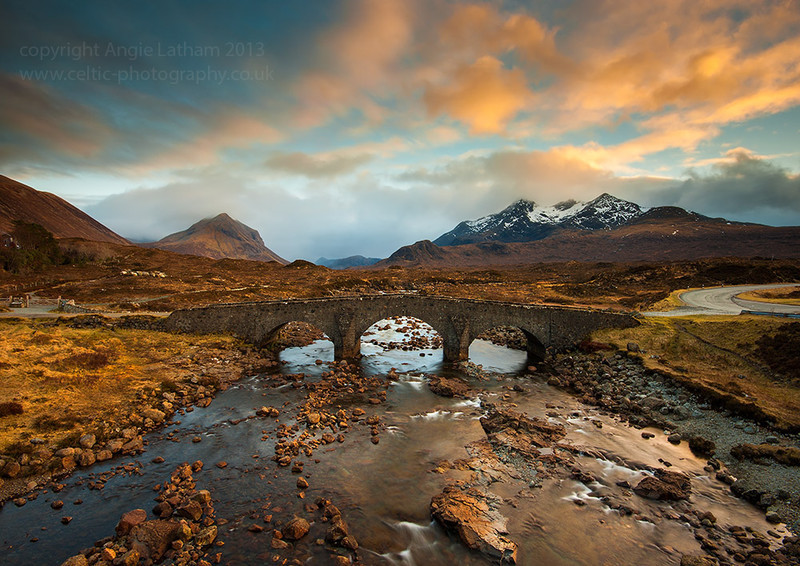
{"x":384,"y":490}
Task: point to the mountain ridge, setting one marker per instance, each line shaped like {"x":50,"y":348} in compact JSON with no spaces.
{"x":605,"y":229}
{"x":64,"y":220}
{"x":525,"y":221}
{"x":345,"y":262}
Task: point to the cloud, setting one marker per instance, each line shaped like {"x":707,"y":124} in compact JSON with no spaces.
{"x":684,"y":66}
{"x":732,"y":156}
{"x":358,"y":60}
{"x":43,"y":129}
{"x":334,"y":163}
{"x":742,"y":187}
{"x":36,"y":120}
{"x":677,"y":72}
{"x":214,"y":132}
{"x":299,"y":163}
{"x":475,"y":185}
{"x":484,"y":95}
{"x":372,"y":38}
{"x":480,"y":29}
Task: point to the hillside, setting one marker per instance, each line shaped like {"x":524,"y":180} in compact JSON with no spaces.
{"x":661,"y":234}
{"x":220,"y":237}
{"x":21,"y":202}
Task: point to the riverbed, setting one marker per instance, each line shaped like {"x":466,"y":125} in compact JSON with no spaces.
{"x":384,"y":489}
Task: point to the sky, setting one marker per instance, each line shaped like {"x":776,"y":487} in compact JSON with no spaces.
{"x":355,"y":127}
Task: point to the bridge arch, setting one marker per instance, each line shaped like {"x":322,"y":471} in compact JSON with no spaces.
{"x":426,"y":335}
{"x":293,"y":333}
{"x":364,"y":327}
{"x":534,"y":347}
{"x":536,"y":331}
{"x":269,"y":329}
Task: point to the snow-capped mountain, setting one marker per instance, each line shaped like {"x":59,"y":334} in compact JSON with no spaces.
{"x":524,"y":221}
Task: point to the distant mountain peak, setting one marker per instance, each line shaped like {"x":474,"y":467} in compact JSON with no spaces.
{"x":421,"y":251}
{"x":345,"y":262}
{"x":219,"y":237}
{"x":525,"y":221}
{"x":521,"y":204}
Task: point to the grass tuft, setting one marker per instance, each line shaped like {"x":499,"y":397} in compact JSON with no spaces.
{"x":10,"y":408}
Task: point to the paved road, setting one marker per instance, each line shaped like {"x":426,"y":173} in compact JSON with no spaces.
{"x":724,"y":300}
{"x":46,"y":311}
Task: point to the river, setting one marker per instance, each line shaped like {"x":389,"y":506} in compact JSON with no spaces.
{"x":384,"y":490}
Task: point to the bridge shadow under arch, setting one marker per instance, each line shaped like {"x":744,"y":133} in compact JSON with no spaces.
{"x":295,"y":333}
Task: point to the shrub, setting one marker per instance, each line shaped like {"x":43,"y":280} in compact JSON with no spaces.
{"x":10,"y":408}
{"x":89,"y":360}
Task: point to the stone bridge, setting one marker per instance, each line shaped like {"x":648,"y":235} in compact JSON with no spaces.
{"x":345,"y":319}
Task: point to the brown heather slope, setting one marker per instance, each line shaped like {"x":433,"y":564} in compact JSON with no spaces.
{"x":105,"y":279}
{"x":21,"y":202}
{"x":663,"y":234}
{"x":219,"y":238}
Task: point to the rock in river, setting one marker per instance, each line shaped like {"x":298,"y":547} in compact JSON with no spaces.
{"x":152,"y":539}
{"x":664,"y":486}
{"x":295,"y":529}
{"x":472,"y":514}
{"x":448,"y":387}
{"x":130,"y":520}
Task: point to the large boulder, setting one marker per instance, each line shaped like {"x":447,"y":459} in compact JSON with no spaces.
{"x":12,"y":469}
{"x":77,"y":560}
{"x":87,"y":440}
{"x":130,"y":520}
{"x":87,"y":458}
{"x":192,"y":510}
{"x":448,"y":386}
{"x":295,"y":529}
{"x":664,"y":485}
{"x":472,"y":514}
{"x":537,"y":432}
{"x":154,"y":415}
{"x":206,"y":536}
{"x":702,"y":446}
{"x":152,"y":539}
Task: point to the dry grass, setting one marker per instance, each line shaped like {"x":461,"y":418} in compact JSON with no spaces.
{"x":67,"y":380}
{"x":192,"y":281}
{"x":719,"y":353}
{"x":671,"y":302}
{"x":784,"y":295}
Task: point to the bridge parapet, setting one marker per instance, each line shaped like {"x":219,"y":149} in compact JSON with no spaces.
{"x":345,"y":319}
